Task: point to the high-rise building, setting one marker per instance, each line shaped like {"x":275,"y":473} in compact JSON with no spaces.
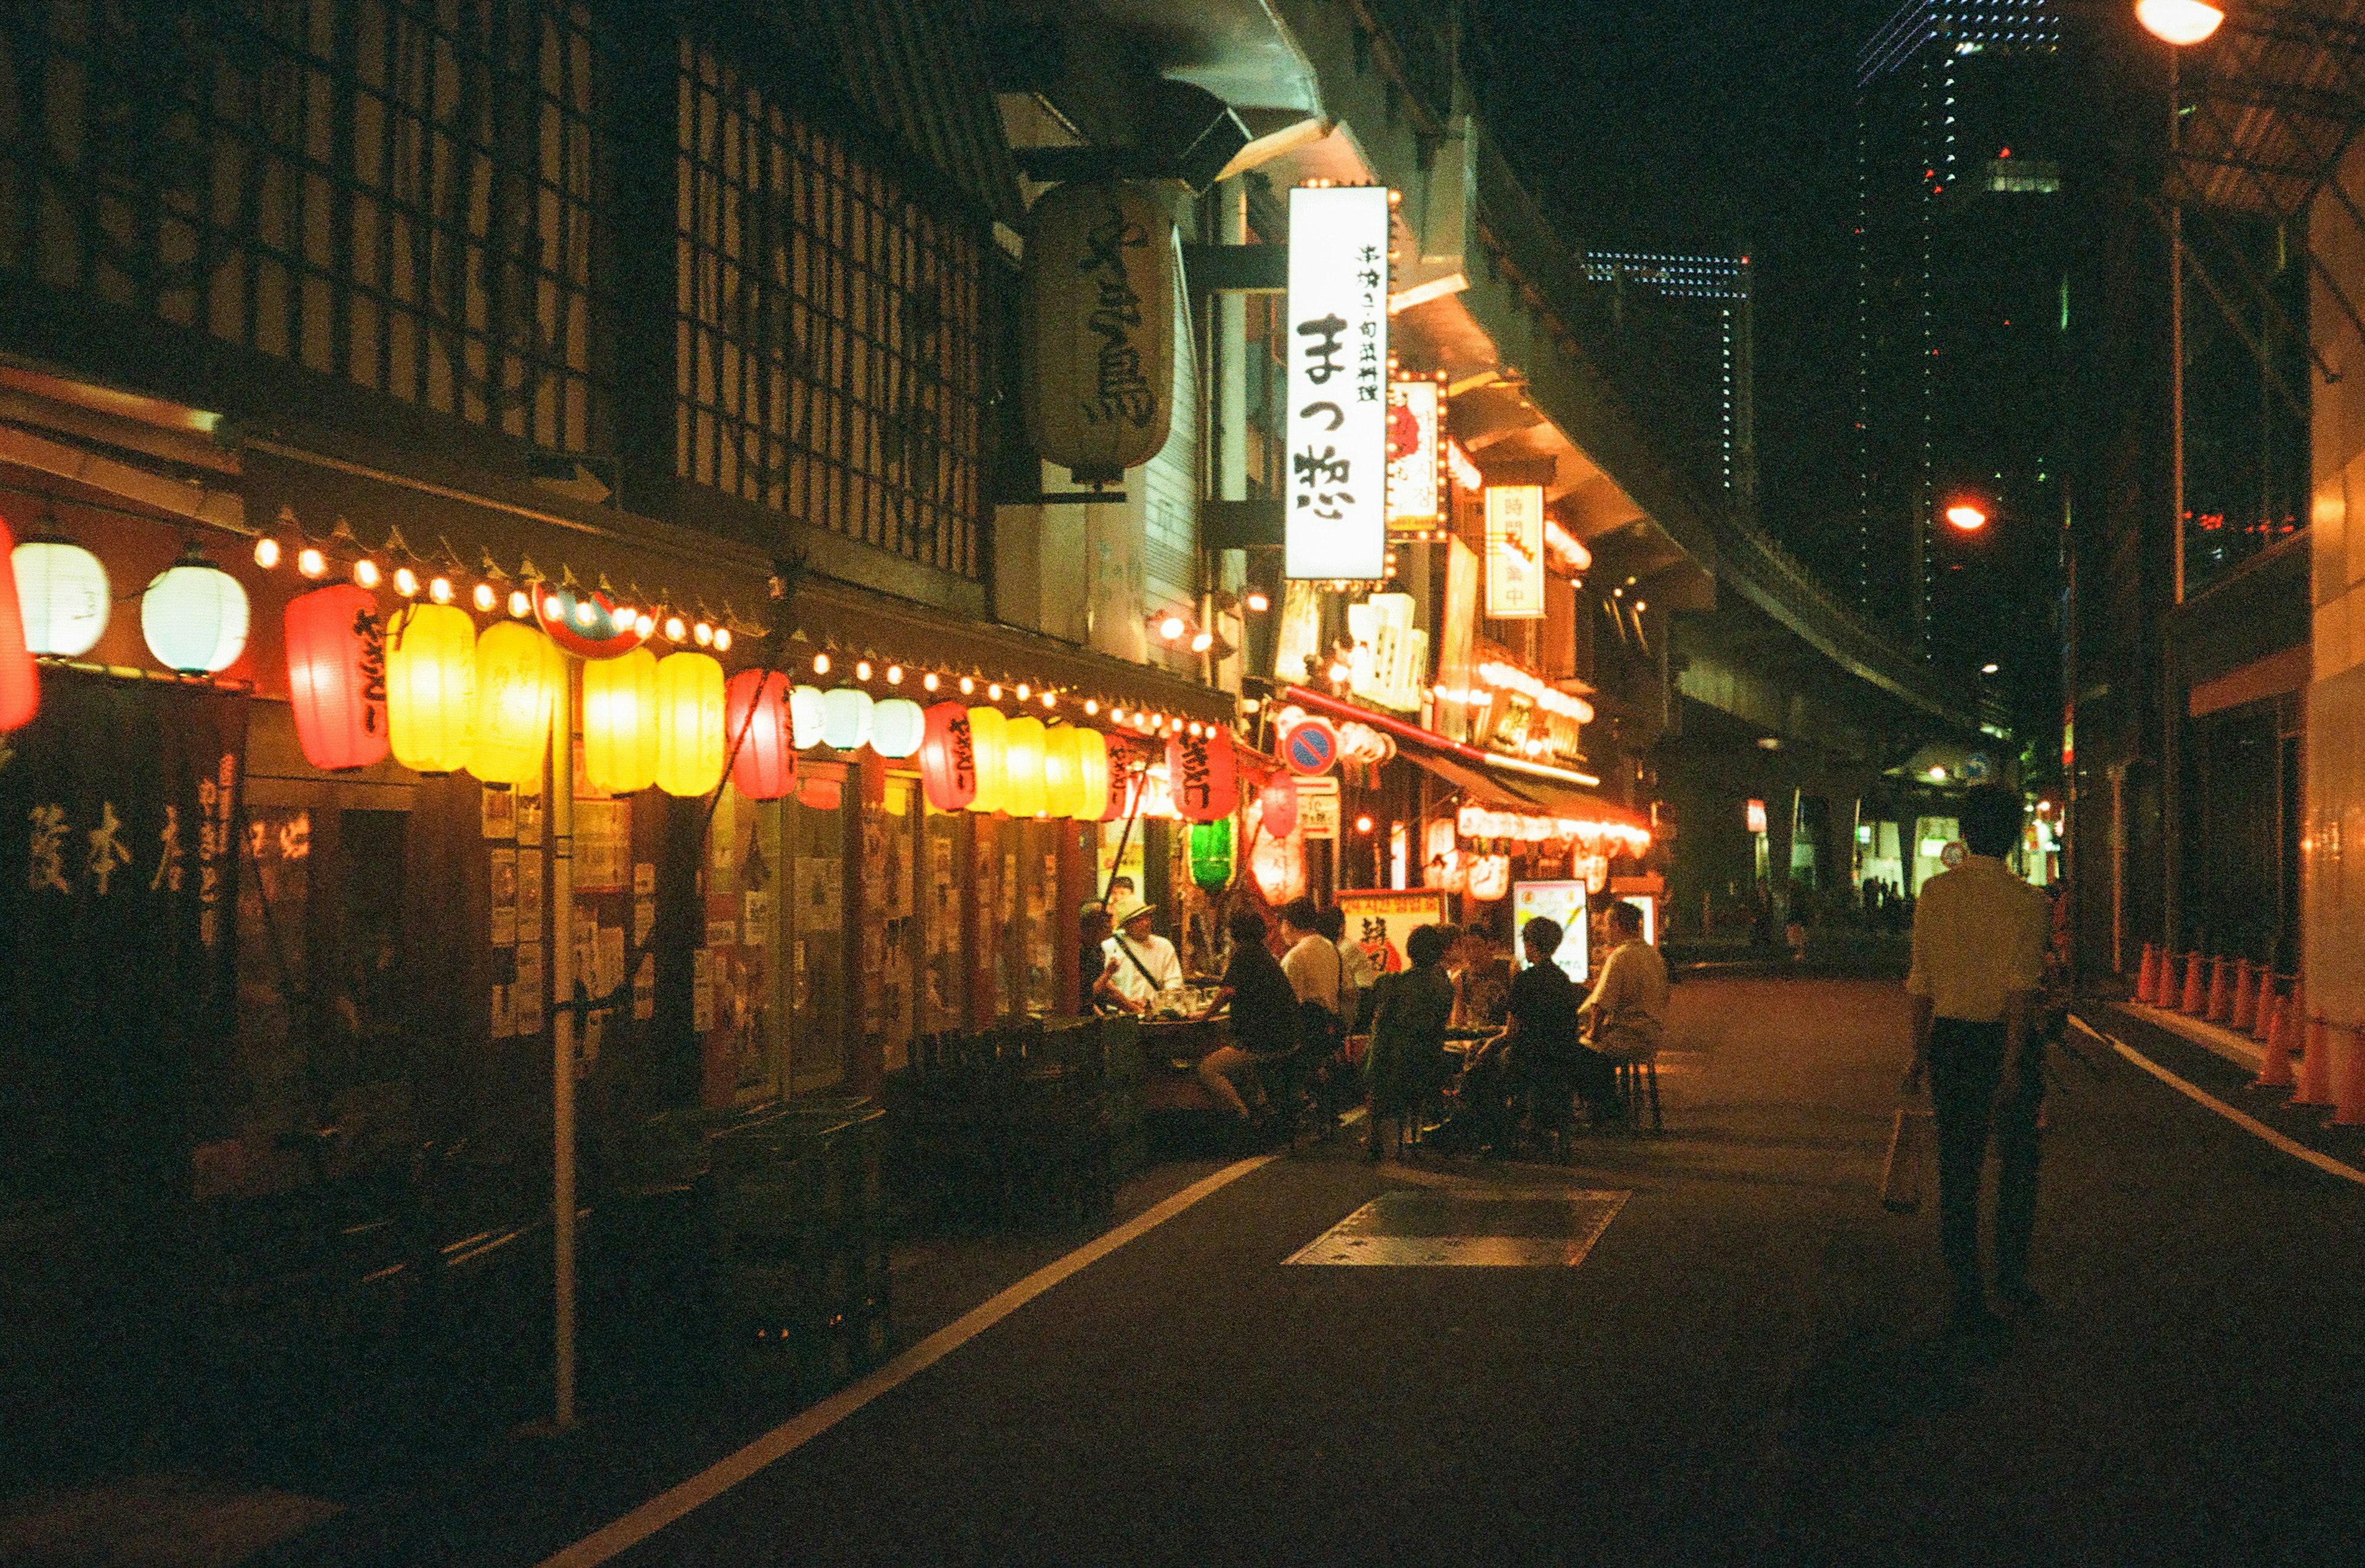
{"x":1687,"y":318}
{"x":1962,"y":317}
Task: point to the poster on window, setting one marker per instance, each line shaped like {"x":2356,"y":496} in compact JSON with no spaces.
{"x":1564,"y":901}
{"x":1415,"y":497}
{"x":1337,"y":325}
{"x":1514,"y":552}
{"x":1379,"y":921}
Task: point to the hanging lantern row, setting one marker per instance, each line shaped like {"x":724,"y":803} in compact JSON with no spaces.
{"x":1484,"y":823}
{"x":976,"y":759}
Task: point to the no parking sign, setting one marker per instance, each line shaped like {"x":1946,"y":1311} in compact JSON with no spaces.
{"x":1309,"y":747}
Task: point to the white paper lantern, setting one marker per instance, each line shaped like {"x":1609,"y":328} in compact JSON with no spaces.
{"x":846,"y":717}
{"x":63,"y":592}
{"x":194,"y":616}
{"x":806,"y":713}
{"x":897,"y":726}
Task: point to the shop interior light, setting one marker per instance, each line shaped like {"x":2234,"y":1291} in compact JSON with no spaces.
{"x":267,"y":552}
{"x":1173,"y":627}
{"x":310,"y":561}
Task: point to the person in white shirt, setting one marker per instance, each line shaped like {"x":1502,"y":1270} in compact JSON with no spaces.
{"x":1357,"y":974}
{"x":1627,"y":1014}
{"x":1311,"y":963}
{"x":1142,"y":965}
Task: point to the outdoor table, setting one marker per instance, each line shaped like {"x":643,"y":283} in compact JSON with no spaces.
{"x":1164,"y":1043}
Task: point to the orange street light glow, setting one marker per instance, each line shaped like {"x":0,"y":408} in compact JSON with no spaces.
{"x":1966,"y":517}
{"x":2180,"y":22}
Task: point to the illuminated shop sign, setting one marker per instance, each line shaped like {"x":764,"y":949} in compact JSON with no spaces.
{"x":1415,"y":497}
{"x":1514,"y":552}
{"x":1337,"y":332}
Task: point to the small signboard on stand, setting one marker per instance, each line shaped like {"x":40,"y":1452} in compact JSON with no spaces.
{"x":1317,"y":807}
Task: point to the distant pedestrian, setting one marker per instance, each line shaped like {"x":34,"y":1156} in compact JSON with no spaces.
{"x":1979,"y":934}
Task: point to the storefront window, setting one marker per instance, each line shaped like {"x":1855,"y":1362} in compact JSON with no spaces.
{"x":1035,"y":960}
{"x":946,"y":976}
{"x":816,"y":929}
{"x":892,"y":939}
{"x":735,"y":980}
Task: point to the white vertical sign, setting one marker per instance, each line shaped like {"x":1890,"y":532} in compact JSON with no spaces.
{"x":1412,"y":477}
{"x":1337,"y":328}
{"x":1514,"y":552}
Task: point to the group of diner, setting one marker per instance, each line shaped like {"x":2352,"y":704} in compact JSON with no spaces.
{"x":1512,"y":1050}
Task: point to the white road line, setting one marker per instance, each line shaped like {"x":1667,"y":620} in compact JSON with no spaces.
{"x":2247,"y":1124}
{"x":711,"y":1482}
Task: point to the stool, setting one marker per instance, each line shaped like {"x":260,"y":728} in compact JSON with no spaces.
{"x":1638,"y":1081}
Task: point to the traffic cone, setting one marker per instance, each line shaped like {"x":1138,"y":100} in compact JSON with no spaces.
{"x":2275,"y":1063}
{"x":2348,"y":1078}
{"x":2246,"y":997}
{"x":2220,"y":990}
{"x":2195,"y":993}
{"x":2264,"y":1020}
{"x":2314,"y":1077}
{"x":2147,"y":977}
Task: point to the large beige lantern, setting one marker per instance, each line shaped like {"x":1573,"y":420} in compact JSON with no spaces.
{"x":1097,"y":327}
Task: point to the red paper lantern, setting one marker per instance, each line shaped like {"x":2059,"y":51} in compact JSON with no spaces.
{"x":756,"y":722}
{"x":20,"y":683}
{"x":1124,"y":776}
{"x":1201,"y":775}
{"x":336,"y":676}
{"x":1279,"y":806}
{"x":948,"y":758}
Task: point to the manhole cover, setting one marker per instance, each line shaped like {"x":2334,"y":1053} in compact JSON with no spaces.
{"x":1431,"y":1229}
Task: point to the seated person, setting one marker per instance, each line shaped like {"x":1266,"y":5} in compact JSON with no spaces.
{"x":1405,"y":1061}
{"x":1537,"y":1057}
{"x":1627,"y":1012}
{"x":1481,"y":980}
{"x":1143,"y":966}
{"x":1264,"y":1018}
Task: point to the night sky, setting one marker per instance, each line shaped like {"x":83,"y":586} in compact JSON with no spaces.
{"x":1713,"y":125}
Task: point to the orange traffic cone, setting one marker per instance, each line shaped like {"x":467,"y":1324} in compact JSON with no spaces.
{"x":2148,"y":976}
{"x":2348,"y":1078}
{"x":2221,"y":993}
{"x":2314,"y":1086}
{"x":2246,"y":997}
{"x":2263,"y":1022}
{"x":2196,"y":995}
{"x":2275,"y":1064}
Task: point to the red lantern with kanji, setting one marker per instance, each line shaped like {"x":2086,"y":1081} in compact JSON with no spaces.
{"x":1201,"y":775}
{"x":20,"y":683}
{"x":948,"y":758}
{"x":336,"y":676}
{"x":1124,"y":756}
{"x":756,"y":724}
{"x":1279,"y":806}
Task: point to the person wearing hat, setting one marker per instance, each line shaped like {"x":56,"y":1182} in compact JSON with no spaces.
{"x":1141,"y":964}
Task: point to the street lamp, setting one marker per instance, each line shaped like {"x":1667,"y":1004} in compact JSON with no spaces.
{"x":2180,"y":22}
{"x":1967,"y":517}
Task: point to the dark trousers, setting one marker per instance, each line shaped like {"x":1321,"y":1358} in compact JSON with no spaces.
{"x":1966,"y":1071}
{"x":1503,"y":1080}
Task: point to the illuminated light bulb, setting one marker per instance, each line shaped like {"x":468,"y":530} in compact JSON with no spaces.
{"x":440,"y":590}
{"x":406,"y":582}
{"x":551,"y":608}
{"x":968,"y":686}
{"x":993,"y":692}
{"x":1339,"y":673}
{"x":366,"y":573}
{"x":928,"y":682}
{"x":2180,"y":22}
{"x":645,"y":623}
{"x":1091,"y":707}
{"x":674,"y":630}
{"x":310,"y":561}
{"x":585,"y":612}
{"x":267,"y":552}
{"x":1170,"y":628}
{"x":484,"y":598}
{"x":521,"y":603}
{"x":1022,"y":691}
{"x":820,"y":663}
{"x":1363,"y":824}
{"x":722,"y":639}
{"x":1966,"y":517}
{"x":1202,"y":641}
{"x":895,"y":675}
{"x":1116,"y":715}
{"x":862,"y":669}
{"x":1050,"y":699}
{"x":702,"y":635}
{"x":621,"y":616}
{"x":1259,"y":602}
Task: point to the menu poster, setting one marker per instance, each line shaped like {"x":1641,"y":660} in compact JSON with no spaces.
{"x":529,"y":898}
{"x":505,"y":897}
{"x":525,"y":995}
{"x":603,"y":844}
{"x":722,"y":934}
{"x":529,"y":814}
{"x":1565,"y":903}
{"x":645,"y":879}
{"x":757,"y":926}
{"x":499,"y":812}
{"x":1379,"y":921}
{"x":702,"y":992}
{"x":644,"y":987}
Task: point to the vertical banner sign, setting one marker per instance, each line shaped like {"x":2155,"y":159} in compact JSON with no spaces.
{"x":1514,"y":552}
{"x":1338,"y":320}
{"x":1414,"y":498}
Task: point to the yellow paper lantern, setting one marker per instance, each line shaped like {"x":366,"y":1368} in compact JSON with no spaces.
{"x":1091,"y":749}
{"x":518,"y":672}
{"x":430,"y":687}
{"x":619,"y":721}
{"x":690,"y":724}
{"x":1022,"y":781}
{"x":1060,"y":777}
{"x":988,"y":742}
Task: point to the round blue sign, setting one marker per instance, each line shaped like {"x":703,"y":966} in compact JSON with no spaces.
{"x":1309,"y":747}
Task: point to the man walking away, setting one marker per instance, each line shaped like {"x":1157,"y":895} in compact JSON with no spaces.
{"x":1980,"y":933}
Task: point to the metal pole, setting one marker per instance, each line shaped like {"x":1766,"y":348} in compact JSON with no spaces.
{"x":2176,"y":335}
{"x":561,"y":817}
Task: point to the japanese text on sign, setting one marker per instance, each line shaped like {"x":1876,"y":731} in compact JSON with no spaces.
{"x":1413,"y":489}
{"x":1337,"y":332}
{"x":1514,"y":552}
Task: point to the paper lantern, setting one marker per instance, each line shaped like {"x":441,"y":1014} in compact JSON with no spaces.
{"x":807,"y":712}
{"x":846,"y":717}
{"x":430,"y":687}
{"x":1023,"y":784}
{"x":63,"y":592}
{"x":336,"y":676}
{"x":194,"y":616}
{"x":20,"y":681}
{"x":1125,"y":761}
{"x":897,"y":727}
{"x":1062,"y":780}
{"x":619,"y":722}
{"x":756,"y":726}
{"x":1200,"y":775}
{"x":948,"y":758}
{"x":1490,"y":877}
{"x":1280,"y":797}
{"x":1092,"y":774}
{"x":989,"y":737}
{"x":516,"y":684}
{"x":1211,"y":854}
{"x":690,"y":724}
{"x":1096,"y":328}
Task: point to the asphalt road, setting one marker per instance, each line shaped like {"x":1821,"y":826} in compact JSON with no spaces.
{"x":1747,"y":1368}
